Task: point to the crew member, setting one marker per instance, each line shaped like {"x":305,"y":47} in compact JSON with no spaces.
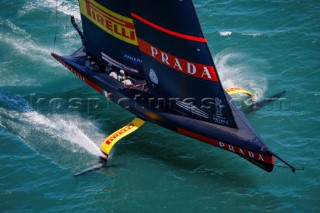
{"x":114,"y":75}
{"x":124,"y":79}
{"x":94,"y":66}
{"x":121,"y":75}
{"x":87,"y":63}
{"x":108,"y":68}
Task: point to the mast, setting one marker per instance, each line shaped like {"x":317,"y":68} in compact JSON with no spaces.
{"x":74,"y":24}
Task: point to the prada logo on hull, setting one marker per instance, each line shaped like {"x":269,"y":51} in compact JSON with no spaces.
{"x":240,"y":151}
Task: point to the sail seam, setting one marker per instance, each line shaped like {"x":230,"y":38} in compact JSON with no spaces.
{"x":170,"y":32}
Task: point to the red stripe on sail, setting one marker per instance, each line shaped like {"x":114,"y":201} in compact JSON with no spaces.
{"x":202,"y":71}
{"x":170,"y":32}
{"x":240,"y":151}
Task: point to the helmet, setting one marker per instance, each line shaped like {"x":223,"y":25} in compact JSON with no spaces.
{"x":122,"y":72}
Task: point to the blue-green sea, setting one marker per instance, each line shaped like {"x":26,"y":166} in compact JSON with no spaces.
{"x":51,"y":122}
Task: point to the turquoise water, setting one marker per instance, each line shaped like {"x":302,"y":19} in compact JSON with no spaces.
{"x":51,"y":122}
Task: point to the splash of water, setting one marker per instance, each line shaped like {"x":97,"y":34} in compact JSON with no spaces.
{"x":26,"y":122}
{"x":235,"y":72}
{"x":66,"y":130}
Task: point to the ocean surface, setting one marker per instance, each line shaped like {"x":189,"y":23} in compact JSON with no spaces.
{"x":52,"y":123}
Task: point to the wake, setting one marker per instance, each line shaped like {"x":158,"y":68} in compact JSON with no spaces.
{"x":69,"y":8}
{"x":21,"y":42}
{"x":48,"y":133}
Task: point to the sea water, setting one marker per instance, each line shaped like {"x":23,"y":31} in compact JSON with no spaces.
{"x":51,"y":123}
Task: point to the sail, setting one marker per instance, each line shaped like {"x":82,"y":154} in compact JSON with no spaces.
{"x":109,"y":33}
{"x":176,"y":59}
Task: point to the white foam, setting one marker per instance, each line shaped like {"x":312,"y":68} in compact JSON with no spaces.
{"x":229,"y":33}
{"x":225,"y":33}
{"x":24,"y":45}
{"x":252,"y":34}
{"x":70,"y":34}
{"x":57,"y":8}
{"x":66,"y":7}
{"x":16,"y":29}
{"x":235,"y":72}
{"x":58,"y":128}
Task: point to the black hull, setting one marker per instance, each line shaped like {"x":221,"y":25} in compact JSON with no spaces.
{"x":243,"y":141}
